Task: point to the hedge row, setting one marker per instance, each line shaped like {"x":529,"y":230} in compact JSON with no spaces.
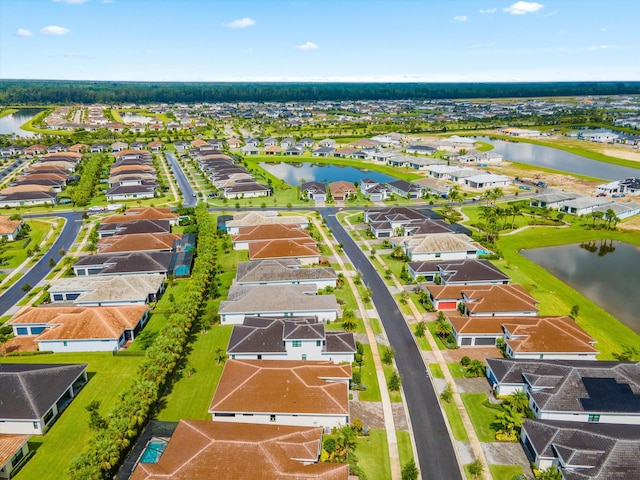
{"x":110,"y":442}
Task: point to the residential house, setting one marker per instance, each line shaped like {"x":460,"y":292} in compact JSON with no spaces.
{"x":438,"y":246}
{"x":305,"y":250}
{"x":621,"y":210}
{"x":583,"y":451}
{"x":483,"y":300}
{"x":552,"y":199}
{"x":119,"y":146}
{"x":14,"y":449}
{"x":572,"y":390}
{"x":139,"y":262}
{"x":284,"y":272}
{"x":630,"y":186}
{"x":405,"y":189}
{"x":107,"y":290}
{"x":80,"y":329}
{"x":286,"y":338}
{"x":323,"y":152}
{"x":25,"y":199}
{"x":138,"y":242}
{"x":341,"y":190}
{"x":33,"y":395}
{"x":99,"y":147}
{"x":201,"y":449}
{"x":250,"y":150}
{"x":276,"y":300}
{"x":301,"y":393}
{"x":327,"y":142}
{"x":461,"y":272}
{"x":584,"y":205}
{"x":434,"y":186}
{"x":272,"y":150}
{"x":487,"y":180}
{"x":266,"y":217}
{"x":421,"y":149}
{"x":554,"y":338}
{"x":137,"y":226}
{"x":316,"y":191}
{"x":245,"y":189}
{"x":260,"y":233}
{"x":9,"y":229}
{"x":234,"y":143}
{"x":144,"y":213}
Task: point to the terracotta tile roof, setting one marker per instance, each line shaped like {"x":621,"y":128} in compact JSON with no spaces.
{"x":129,"y":151}
{"x":445,"y":292}
{"x":341,"y":188}
{"x":480,"y":325}
{"x":26,"y":188}
{"x":549,"y":334}
{"x":138,"y":242}
{"x":437,"y":242}
{"x":265,"y":218}
{"x":110,"y":288}
{"x":9,"y":445}
{"x":7,"y":225}
{"x":282,"y":386}
{"x":39,"y":176}
{"x":150,"y":213}
{"x":202,"y":449}
{"x":497,"y":298}
{"x":127,"y":168}
{"x":283,"y":249}
{"x":62,"y":154}
{"x":269,"y":232}
{"x":68,"y":323}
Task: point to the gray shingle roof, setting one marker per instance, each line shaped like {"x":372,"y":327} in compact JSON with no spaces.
{"x":280,"y":270}
{"x":132,"y":262}
{"x":276,"y":298}
{"x":29,"y":391}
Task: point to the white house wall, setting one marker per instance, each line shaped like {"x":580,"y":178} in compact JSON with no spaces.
{"x":318,"y":420}
{"x":238,"y":318}
{"x":58,"y":346}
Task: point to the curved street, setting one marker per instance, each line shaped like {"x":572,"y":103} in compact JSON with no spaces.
{"x":435,"y":451}
{"x":41,"y":269}
{"x":190,"y":199}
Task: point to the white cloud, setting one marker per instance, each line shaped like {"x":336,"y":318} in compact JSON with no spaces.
{"x":461,"y":18}
{"x":489,"y":10}
{"x":23,"y":33}
{"x":522,"y":8}
{"x":54,"y":30}
{"x":242,"y":23}
{"x":70,"y":2}
{"x":307,"y":46}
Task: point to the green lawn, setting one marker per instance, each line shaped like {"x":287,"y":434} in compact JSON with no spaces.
{"x":455,"y":421}
{"x":457,"y":371}
{"x":369,"y":378}
{"x":481,"y":416}
{"x":375,"y":325}
{"x":191,"y":395}
{"x":17,"y":251}
{"x":373,"y":455}
{"x":388,"y":371}
{"x":432,"y":328}
{"x":405,"y":446}
{"x":108,"y":377}
{"x":436,"y":371}
{"x":505,"y":472}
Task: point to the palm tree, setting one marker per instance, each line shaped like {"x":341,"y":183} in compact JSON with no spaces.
{"x":476,"y":468}
{"x":443,"y":328}
{"x":515,"y":210}
{"x":519,"y":401}
{"x":509,"y":420}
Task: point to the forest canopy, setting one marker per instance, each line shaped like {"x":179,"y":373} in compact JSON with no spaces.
{"x":49,"y":92}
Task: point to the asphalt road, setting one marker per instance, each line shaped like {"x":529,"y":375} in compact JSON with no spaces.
{"x":190,"y":199}
{"x":42,"y":268}
{"x":435,"y":450}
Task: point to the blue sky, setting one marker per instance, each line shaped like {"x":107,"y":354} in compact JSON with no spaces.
{"x":320,"y":40}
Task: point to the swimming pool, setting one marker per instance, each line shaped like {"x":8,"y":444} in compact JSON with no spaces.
{"x":153,"y":451}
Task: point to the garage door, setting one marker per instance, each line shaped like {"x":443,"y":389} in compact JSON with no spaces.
{"x":447,"y":305}
{"x":485,"y":341}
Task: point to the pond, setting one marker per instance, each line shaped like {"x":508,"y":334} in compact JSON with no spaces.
{"x":556,"y":159}
{"x":605,"y":271}
{"x":131,"y":117}
{"x":295,"y":174}
{"x":12,"y":123}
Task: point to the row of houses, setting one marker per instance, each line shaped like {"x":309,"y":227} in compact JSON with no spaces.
{"x":576,"y":204}
{"x":106,"y":304}
{"x":41,"y":181}
{"x":132,"y":176}
{"x":287,"y":377}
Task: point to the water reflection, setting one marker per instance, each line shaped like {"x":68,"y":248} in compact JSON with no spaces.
{"x":610,"y":278}
{"x":555,"y":159}
{"x":296,"y":174}
{"x":12,"y":123}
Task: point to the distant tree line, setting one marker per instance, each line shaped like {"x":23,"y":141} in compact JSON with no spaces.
{"x":49,"y":92}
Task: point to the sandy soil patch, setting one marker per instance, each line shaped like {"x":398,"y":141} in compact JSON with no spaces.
{"x":622,"y":153}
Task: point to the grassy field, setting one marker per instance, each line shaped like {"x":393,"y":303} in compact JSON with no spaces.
{"x":369,"y":378}
{"x":108,"y":377}
{"x":481,"y":416}
{"x":505,"y":472}
{"x":405,"y":447}
{"x":388,"y":371}
{"x":373,"y":455}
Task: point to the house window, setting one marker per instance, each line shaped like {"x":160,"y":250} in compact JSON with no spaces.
{"x":48,"y":416}
{"x":15,"y":460}
{"x":272,"y":418}
{"x":296,"y":343}
{"x":64,"y":343}
{"x":36,"y":425}
{"x":438,"y":254}
{"x":304,"y":356}
{"x":594,"y":418}
{"x":318,"y":343}
{"x":22,"y":331}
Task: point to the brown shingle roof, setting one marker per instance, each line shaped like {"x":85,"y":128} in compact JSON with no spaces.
{"x":498,"y":298}
{"x":9,"y":445}
{"x":282,"y":386}
{"x":202,"y":449}
{"x":549,"y":334}
{"x":269,"y":232}
{"x":7,"y":225}
{"x":70,"y":323}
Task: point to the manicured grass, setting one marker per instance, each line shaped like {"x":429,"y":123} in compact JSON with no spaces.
{"x":373,"y":455}
{"x":432,"y":328}
{"x":17,"y":251}
{"x":557,"y":298}
{"x":481,"y":416}
{"x":109,"y":376}
{"x":405,"y":447}
{"x":505,"y":472}
{"x":456,"y":370}
{"x":375,"y":325}
{"x":369,"y":378}
{"x":423,"y":343}
{"x":191,"y":395}
{"x":436,"y":371}
{"x":455,"y":421}
{"x":388,"y":371}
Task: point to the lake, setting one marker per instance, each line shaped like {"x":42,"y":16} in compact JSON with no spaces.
{"x":556,"y":159}
{"x":12,"y":123}
{"x":605,"y":271}
{"x":296,"y":174}
{"x":131,"y":117}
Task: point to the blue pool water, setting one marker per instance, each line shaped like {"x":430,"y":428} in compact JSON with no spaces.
{"x":153,"y":451}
